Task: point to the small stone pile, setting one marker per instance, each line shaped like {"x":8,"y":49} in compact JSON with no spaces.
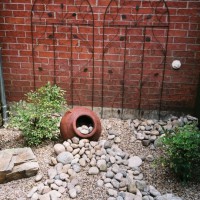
{"x":149,"y":130}
{"x":85,"y":129}
{"x":120,"y":172}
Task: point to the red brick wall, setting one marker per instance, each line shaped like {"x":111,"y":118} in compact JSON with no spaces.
{"x":121,"y":86}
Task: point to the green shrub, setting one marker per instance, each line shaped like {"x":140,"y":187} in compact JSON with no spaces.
{"x":36,"y":117}
{"x":182,"y":151}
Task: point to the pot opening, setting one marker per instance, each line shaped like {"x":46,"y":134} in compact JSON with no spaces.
{"x":84,"y":124}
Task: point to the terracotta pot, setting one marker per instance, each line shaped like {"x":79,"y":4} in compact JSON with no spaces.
{"x":76,"y":117}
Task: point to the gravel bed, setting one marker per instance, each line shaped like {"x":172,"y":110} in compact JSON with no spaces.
{"x":160,"y":178}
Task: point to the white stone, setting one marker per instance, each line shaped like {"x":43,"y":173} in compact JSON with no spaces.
{"x":65,"y":158}
{"x":93,"y":171}
{"x":134,"y":161}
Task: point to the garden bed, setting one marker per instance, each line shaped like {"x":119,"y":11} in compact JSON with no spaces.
{"x":118,"y":132}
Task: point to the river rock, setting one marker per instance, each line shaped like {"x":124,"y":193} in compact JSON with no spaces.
{"x":93,"y":171}
{"x":134,"y":161}
{"x":59,"y":148}
{"x":65,"y":158}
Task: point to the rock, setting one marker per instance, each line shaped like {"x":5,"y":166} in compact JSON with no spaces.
{"x":54,"y":194}
{"x":93,"y":162}
{"x":17,"y":163}
{"x":107,"y":145}
{"x":142,"y":186}
{"x":35,"y":196}
{"x":76,"y":167}
{"x":146,"y":142}
{"x":54,"y":186}
{"x":65,"y":158}
{"x":137,"y":197}
{"x":110,"y":137}
{"x":72,"y":173}
{"x":109,"y":174}
{"x":108,"y":185}
{"x":45,"y":197}
{"x":75,"y":140}
{"x":72,"y":193}
{"x":140,"y":136}
{"x":52,"y":173}
{"x":134,"y":161}
{"x":53,"y":161}
{"x":191,"y":118}
{"x":69,"y":149}
{"x":153,"y":191}
{"x":101,"y":164}
{"x":100,"y":183}
{"x":40,"y":188}
{"x":115,"y":168}
{"x":118,"y":176}
{"x":59,"y":148}
{"x":82,"y":162}
{"x":112,"y":192}
{"x":120,"y":198}
{"x":147,"y":198}
{"x":167,"y":197}
{"x":117,"y":140}
{"x":38,"y":177}
{"x":129,"y":196}
{"x":150,"y":158}
{"x":58,"y":182}
{"x":115,"y":183}
{"x":93,"y":171}
{"x":32,"y":191}
{"x":78,"y":189}
{"x":132,"y":188}
{"x":46,"y":189}
{"x":74,"y":182}
{"x":155,"y":132}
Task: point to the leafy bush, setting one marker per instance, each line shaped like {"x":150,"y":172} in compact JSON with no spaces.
{"x":37,"y":118}
{"x":182,"y":151}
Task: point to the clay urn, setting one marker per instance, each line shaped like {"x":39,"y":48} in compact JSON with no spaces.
{"x":80,"y":117}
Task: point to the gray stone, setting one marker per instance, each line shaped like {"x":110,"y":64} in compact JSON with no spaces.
{"x":146,"y":142}
{"x":134,"y":161}
{"x":120,"y":198}
{"x":147,"y":198}
{"x":142,"y":186}
{"x":115,"y":168}
{"x":153,"y":191}
{"x":93,"y":171}
{"x":59,"y":148}
{"x":132,"y":188}
{"x":52,"y":173}
{"x":112,"y":193}
{"x":129,"y":196}
{"x":107,"y":145}
{"x":72,"y":193}
{"x":118,"y":176}
{"x":115,"y":183}
{"x":101,"y":164}
{"x":109,"y":174}
{"x":18,"y":163}
{"x":167,"y":197}
{"x":65,"y":158}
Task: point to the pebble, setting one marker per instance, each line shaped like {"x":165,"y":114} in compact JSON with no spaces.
{"x":38,"y":177}
{"x":52,"y":173}
{"x":65,"y":157}
{"x":59,"y":148}
{"x":72,"y":193}
{"x":93,"y":171}
{"x":134,"y":161}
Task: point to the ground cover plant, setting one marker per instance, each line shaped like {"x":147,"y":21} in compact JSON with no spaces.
{"x":182,"y":151}
{"x":36,"y":117}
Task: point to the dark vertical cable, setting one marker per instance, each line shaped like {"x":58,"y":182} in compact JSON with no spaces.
{"x":124,"y":70}
{"x":72,"y":74}
{"x":142,"y":70}
{"x":165,"y":60}
{"x":33,"y":57}
{"x":54,"y":54}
